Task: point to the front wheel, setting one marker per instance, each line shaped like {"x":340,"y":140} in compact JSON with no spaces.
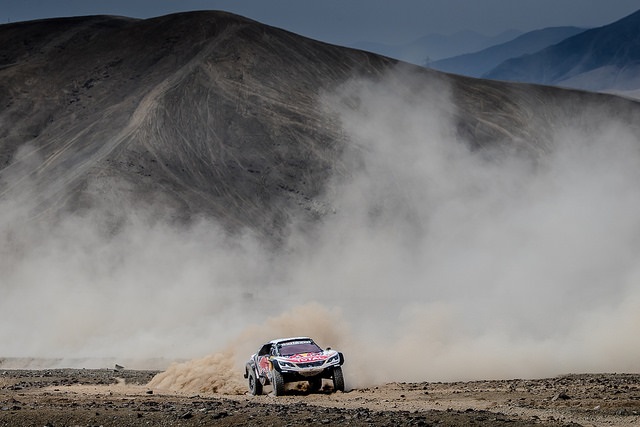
{"x":255,"y":386}
{"x":338,"y":379}
{"x":278,"y":383}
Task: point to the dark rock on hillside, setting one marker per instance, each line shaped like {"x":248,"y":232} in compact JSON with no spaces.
{"x":210,"y":114}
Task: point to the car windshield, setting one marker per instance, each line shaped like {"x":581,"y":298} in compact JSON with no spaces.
{"x":288,"y":349}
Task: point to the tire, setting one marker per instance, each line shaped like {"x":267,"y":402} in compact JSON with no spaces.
{"x":338,"y":379}
{"x":315,"y":384}
{"x":255,"y":386}
{"x":277,"y":382}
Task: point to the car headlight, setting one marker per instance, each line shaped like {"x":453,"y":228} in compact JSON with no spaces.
{"x":285,"y":364}
{"x":334,"y":359}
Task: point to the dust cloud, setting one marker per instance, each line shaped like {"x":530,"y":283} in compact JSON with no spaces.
{"x":485,"y":263}
{"x":439,"y":262}
{"x":215,"y":373}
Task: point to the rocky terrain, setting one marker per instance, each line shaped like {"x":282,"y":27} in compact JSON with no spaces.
{"x":85,"y":397}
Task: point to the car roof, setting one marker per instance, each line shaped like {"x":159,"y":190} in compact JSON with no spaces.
{"x":281,"y":340}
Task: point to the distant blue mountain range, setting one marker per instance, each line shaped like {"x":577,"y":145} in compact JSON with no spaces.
{"x":603,"y":59}
{"x":433,"y":47}
{"x":600,"y":59}
{"x":478,"y":63}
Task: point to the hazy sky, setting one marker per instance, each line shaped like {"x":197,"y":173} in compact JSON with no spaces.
{"x":346,"y":22}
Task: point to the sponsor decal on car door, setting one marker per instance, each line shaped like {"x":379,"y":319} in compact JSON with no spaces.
{"x":264,"y":365}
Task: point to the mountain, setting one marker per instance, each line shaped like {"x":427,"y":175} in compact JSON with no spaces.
{"x":601,"y":59}
{"x":433,"y":47}
{"x":478,"y":63}
{"x":202,"y":113}
{"x":208,"y":114}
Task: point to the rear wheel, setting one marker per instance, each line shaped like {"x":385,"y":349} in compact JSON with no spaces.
{"x":278,"y":383}
{"x":255,"y":386}
{"x":338,"y":379}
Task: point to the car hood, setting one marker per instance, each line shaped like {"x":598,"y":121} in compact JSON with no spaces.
{"x":308,"y":357}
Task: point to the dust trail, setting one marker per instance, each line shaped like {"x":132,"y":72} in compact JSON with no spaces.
{"x":211,"y":374}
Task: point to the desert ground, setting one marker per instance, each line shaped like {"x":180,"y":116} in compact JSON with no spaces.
{"x":109,"y":397}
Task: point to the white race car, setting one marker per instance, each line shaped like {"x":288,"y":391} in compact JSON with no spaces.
{"x":290,"y":360}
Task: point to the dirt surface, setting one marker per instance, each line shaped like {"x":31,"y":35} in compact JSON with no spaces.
{"x":84,"y":397}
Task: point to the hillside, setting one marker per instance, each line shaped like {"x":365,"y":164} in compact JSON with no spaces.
{"x":205,"y":113}
{"x":202,"y":113}
{"x":601,"y":59}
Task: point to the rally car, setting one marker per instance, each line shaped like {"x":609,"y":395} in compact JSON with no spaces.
{"x":290,"y":360}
